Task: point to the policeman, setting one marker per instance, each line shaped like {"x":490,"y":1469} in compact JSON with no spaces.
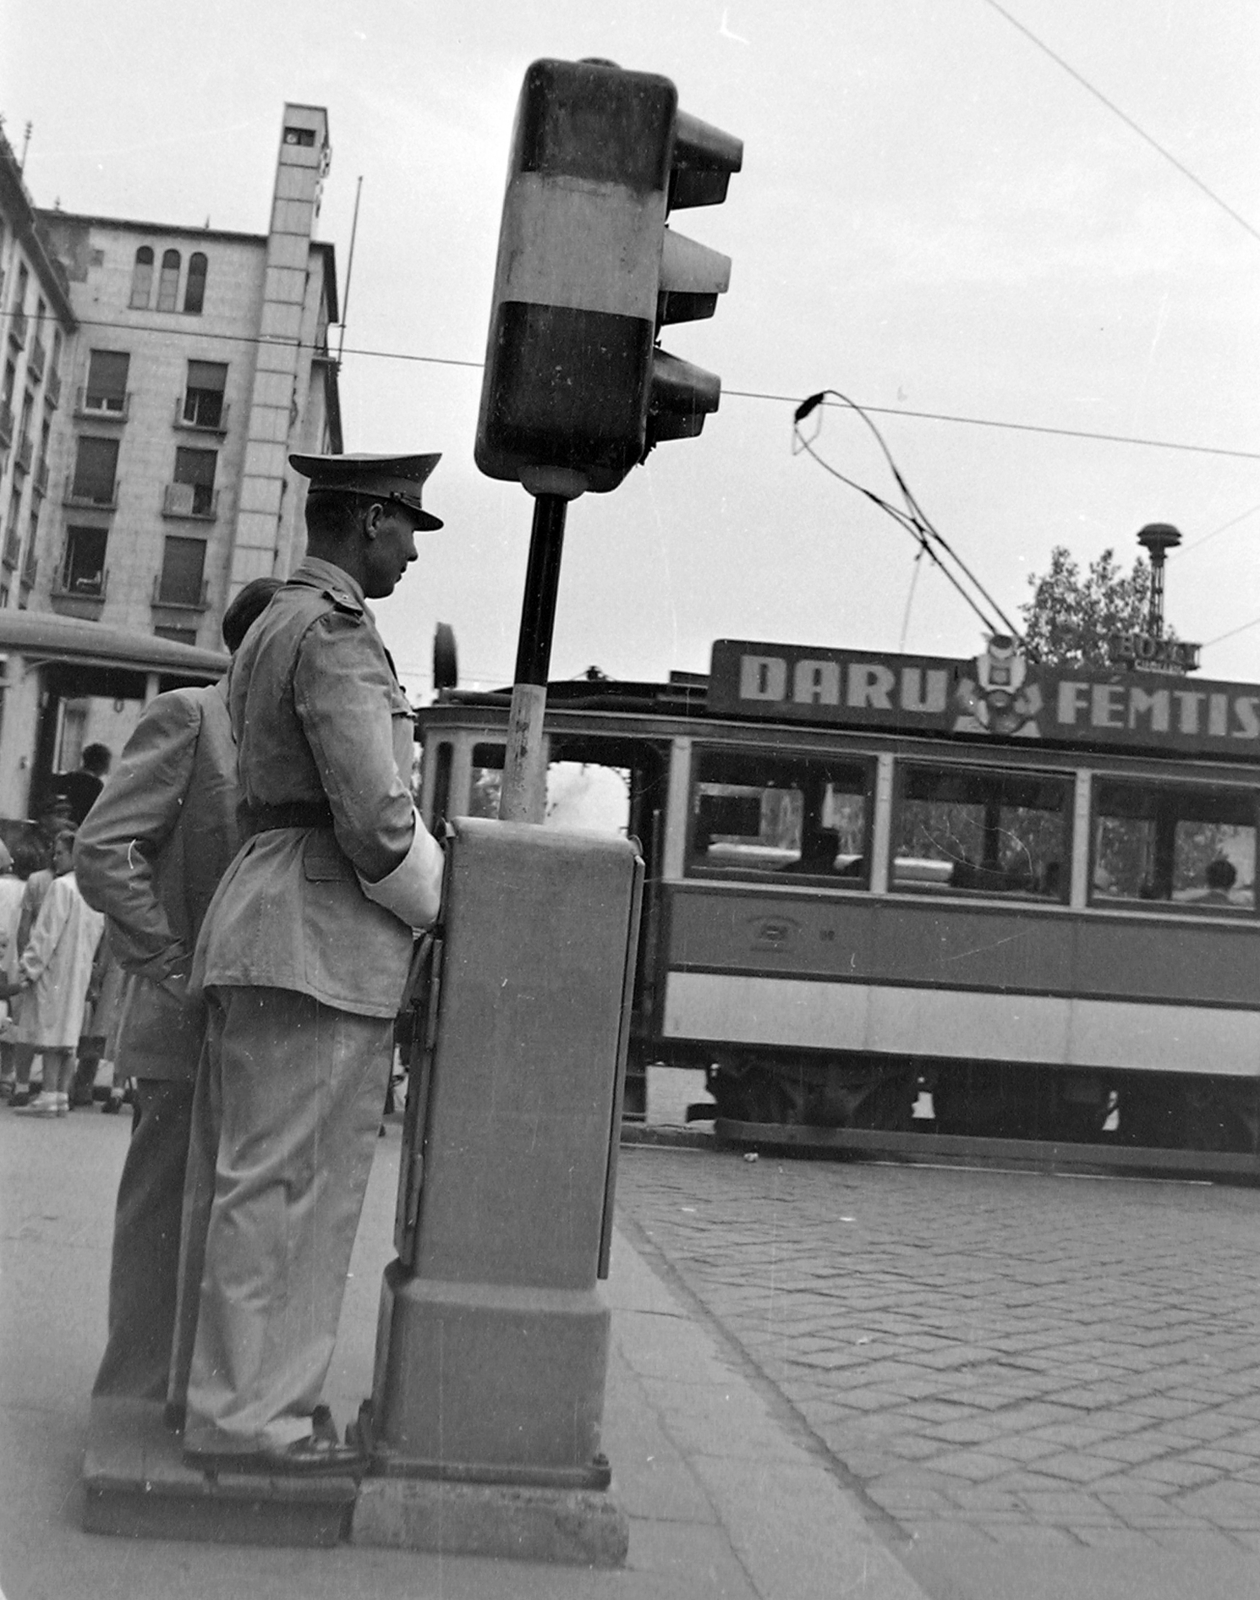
{"x":303,"y":957}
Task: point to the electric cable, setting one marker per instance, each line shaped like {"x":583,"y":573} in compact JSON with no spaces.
{"x":1203,"y":539}
{"x":1126,"y":119}
{"x":914,"y":519}
{"x":729,"y":392}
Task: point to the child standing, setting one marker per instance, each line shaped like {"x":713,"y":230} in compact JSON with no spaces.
{"x":53,"y":975}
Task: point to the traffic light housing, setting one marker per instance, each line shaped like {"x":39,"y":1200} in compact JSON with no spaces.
{"x":576,"y":390}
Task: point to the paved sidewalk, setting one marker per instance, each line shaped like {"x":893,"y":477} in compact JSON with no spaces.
{"x":724,"y":1499}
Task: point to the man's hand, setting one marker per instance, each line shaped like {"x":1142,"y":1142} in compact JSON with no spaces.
{"x":176,"y":985}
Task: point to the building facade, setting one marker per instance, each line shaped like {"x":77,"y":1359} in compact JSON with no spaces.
{"x":201,"y":362}
{"x":37,"y":330}
{"x":156,"y":379}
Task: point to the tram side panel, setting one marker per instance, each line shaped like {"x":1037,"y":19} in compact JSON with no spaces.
{"x":840,"y":1010}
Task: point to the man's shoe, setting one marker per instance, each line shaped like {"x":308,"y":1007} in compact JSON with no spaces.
{"x":304,"y":1457}
{"x":174,"y":1416}
{"x":113,"y":1105}
{"x":322,"y":1424}
{"x":19,"y":1098}
{"x":44,"y":1104}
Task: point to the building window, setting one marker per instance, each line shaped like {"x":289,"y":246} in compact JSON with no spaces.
{"x":83,"y":568}
{"x":6,"y":403}
{"x":183,"y":566}
{"x":203,"y":398}
{"x":41,"y":465}
{"x":194,"y":469}
{"x":142,"y":279}
{"x":177,"y":635}
{"x":26,"y":444}
{"x":195,"y":290}
{"x":12,"y":538}
{"x":168,"y":283}
{"x":23,"y":283}
{"x":95,"y":469}
{"x":28,"y":563}
{"x":299,"y":136}
{"x":106,"y":388}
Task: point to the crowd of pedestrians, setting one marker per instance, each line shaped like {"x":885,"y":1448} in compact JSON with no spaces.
{"x":52,"y":959}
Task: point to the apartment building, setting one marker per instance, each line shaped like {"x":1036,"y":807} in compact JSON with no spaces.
{"x":37,"y":328}
{"x":201,"y":362}
{"x":156,"y":379}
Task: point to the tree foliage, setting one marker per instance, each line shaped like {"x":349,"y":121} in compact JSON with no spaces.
{"x":1069,"y":617}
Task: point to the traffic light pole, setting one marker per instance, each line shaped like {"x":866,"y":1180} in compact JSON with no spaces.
{"x":522,"y":797}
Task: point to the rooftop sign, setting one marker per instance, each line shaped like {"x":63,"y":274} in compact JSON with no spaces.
{"x":999,"y":694}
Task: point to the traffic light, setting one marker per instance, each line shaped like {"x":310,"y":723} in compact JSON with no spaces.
{"x":575,"y":390}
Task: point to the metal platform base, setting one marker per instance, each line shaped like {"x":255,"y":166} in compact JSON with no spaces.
{"x":945,"y":1149}
{"x":136,"y":1486}
{"x":578,"y":1527}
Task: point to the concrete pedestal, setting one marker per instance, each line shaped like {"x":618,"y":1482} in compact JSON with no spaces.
{"x":491,"y":1381}
{"x":137,"y":1486}
{"x":580,"y":1527}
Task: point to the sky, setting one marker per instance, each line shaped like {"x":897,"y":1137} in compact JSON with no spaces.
{"x":1048,"y":303}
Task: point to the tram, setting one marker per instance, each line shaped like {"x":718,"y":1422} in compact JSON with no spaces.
{"x":913,"y":904}
{"x":66,"y":680}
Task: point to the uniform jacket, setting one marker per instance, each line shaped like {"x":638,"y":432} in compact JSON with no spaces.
{"x":321,"y":722}
{"x":58,"y":962}
{"x":150,"y":855}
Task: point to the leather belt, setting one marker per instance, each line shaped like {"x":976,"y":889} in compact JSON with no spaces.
{"x":291,"y":814}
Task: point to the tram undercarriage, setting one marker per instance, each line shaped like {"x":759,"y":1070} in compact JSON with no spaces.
{"x":983,"y":1101}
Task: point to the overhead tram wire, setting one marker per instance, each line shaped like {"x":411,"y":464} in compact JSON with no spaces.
{"x":914,"y":519}
{"x":732,"y":394}
{"x":1126,"y":119}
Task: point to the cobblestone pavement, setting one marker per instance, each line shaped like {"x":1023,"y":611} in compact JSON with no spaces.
{"x":1020,"y":1355}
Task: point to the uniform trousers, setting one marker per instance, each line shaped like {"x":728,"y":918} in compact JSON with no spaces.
{"x":296,"y":1088}
{"x":144,"y":1269}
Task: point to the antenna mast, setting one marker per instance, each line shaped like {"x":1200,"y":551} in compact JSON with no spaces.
{"x":345,"y":299}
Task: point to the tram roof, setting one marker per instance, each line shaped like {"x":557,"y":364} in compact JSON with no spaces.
{"x":72,"y":639}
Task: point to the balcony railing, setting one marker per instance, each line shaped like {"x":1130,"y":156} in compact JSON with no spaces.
{"x":12,"y":551}
{"x":28,"y":566}
{"x":101,"y":497}
{"x":190,"y":500}
{"x":18,"y":321}
{"x":52,"y":389}
{"x":101,"y":407}
{"x":199,"y":415}
{"x":25,"y":453}
{"x":41,"y":476}
{"x":182,"y":595}
{"x":6,"y":422}
{"x":35,"y":361}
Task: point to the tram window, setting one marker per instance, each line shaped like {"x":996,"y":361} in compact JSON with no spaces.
{"x":753,"y":815}
{"x":964,"y":830}
{"x":439,"y":807}
{"x":1176,"y":845}
{"x":487,"y":780}
{"x":580,"y":794}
